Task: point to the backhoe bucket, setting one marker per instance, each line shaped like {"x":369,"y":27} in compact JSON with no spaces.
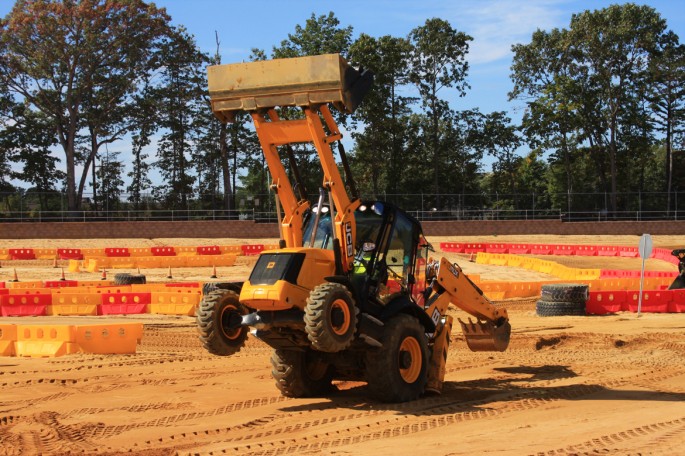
{"x":485,"y":336}
{"x":299,"y":81}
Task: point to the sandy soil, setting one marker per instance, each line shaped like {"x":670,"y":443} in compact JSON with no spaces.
{"x":566,"y":385}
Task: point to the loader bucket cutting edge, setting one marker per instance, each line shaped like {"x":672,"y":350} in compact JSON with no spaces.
{"x":485,"y":336}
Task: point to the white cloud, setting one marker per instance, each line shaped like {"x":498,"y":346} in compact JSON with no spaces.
{"x":496,"y":25}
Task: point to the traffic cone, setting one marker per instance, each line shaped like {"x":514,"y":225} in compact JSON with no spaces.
{"x":213,"y":276}
{"x":62,"y":278}
{"x":54,"y":263}
{"x":169,"y":276}
{"x":104,"y":274}
{"x":15,"y":278}
{"x":471,"y":259}
{"x":138,"y":270}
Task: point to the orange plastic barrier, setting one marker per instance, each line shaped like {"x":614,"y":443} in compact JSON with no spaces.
{"x":186,"y":251}
{"x":4,"y":254}
{"x":109,"y":338}
{"x":74,"y":304}
{"x":45,"y":340}
{"x":178,"y":302}
{"x":8,"y":337}
{"x":60,"y":283}
{"x":22,"y":254}
{"x":234,"y":249}
{"x":45,"y":254}
{"x":140,"y":252}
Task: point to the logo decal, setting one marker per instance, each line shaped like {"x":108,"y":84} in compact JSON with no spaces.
{"x":270,"y":265}
{"x":348,"y":239}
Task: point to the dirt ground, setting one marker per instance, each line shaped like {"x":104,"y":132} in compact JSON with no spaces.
{"x":566,"y":385}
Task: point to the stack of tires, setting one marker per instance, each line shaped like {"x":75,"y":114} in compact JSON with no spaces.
{"x":562,"y":299}
{"x":125,"y":278}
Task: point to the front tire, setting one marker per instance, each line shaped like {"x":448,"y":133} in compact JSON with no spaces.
{"x":218,"y":322}
{"x":301,"y":373}
{"x":398,"y":371}
{"x":330,"y":317}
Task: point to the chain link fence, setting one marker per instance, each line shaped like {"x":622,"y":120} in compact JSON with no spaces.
{"x":52,"y":207}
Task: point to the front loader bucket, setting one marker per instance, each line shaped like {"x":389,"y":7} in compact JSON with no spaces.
{"x":485,"y":336}
{"x":299,"y":81}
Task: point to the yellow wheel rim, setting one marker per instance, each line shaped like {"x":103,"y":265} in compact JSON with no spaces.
{"x":410,"y":350}
{"x":341,"y":306}
{"x":225,"y":318}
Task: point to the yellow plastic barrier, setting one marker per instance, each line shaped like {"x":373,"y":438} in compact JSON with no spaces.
{"x":234,"y":249}
{"x":37,"y":341}
{"x":181,"y":302}
{"x":91,"y":265}
{"x":74,"y":304}
{"x":149,"y":262}
{"x":122,"y":262}
{"x":8,"y":337}
{"x":24,"y":285}
{"x":140,"y":252}
{"x":93,"y":253}
{"x":74,"y":265}
{"x":109,"y":338}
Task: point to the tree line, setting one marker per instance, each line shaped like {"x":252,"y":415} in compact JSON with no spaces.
{"x":604,"y":111}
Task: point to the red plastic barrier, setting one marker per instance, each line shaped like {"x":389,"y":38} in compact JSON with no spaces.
{"x":209,"y":250}
{"x":22,"y":254}
{"x":60,"y":283}
{"x":4,"y":291}
{"x":586,"y":250}
{"x":24,"y":310}
{"x":474,"y":248}
{"x":652,"y":301}
{"x":677,"y":303}
{"x":163,"y":251}
{"x":604,"y":302}
{"x":537,"y":249}
{"x":69,"y":254}
{"x":519,"y":249}
{"x":497,"y":248}
{"x":2,"y":284}
{"x":607,"y":250}
{"x":117,"y":252}
{"x":455,"y":247}
{"x":564,"y":249}
{"x":252,"y":249}
{"x":628,"y":252}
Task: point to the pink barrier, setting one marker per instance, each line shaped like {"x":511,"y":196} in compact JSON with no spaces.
{"x":604,"y":302}
{"x":121,"y":309}
{"x":209,"y":250}
{"x":69,"y":254}
{"x":586,"y":250}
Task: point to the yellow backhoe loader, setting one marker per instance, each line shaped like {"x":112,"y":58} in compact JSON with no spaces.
{"x":351,"y":293}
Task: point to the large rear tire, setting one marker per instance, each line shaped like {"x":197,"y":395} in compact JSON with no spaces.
{"x":556,"y":309}
{"x":564,"y":292}
{"x":398,"y":371}
{"x":301,"y":373}
{"x":330,"y":317}
{"x":218,"y":322}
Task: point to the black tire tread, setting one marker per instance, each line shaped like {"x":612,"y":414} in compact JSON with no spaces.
{"x":125,"y":278}
{"x":290,"y":373}
{"x":564,"y":292}
{"x":315,"y":318}
{"x":382,"y":371}
{"x":207,"y":315}
{"x":554,"y":309}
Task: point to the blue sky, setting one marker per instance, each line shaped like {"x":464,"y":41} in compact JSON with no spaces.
{"x":494,"y":25}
